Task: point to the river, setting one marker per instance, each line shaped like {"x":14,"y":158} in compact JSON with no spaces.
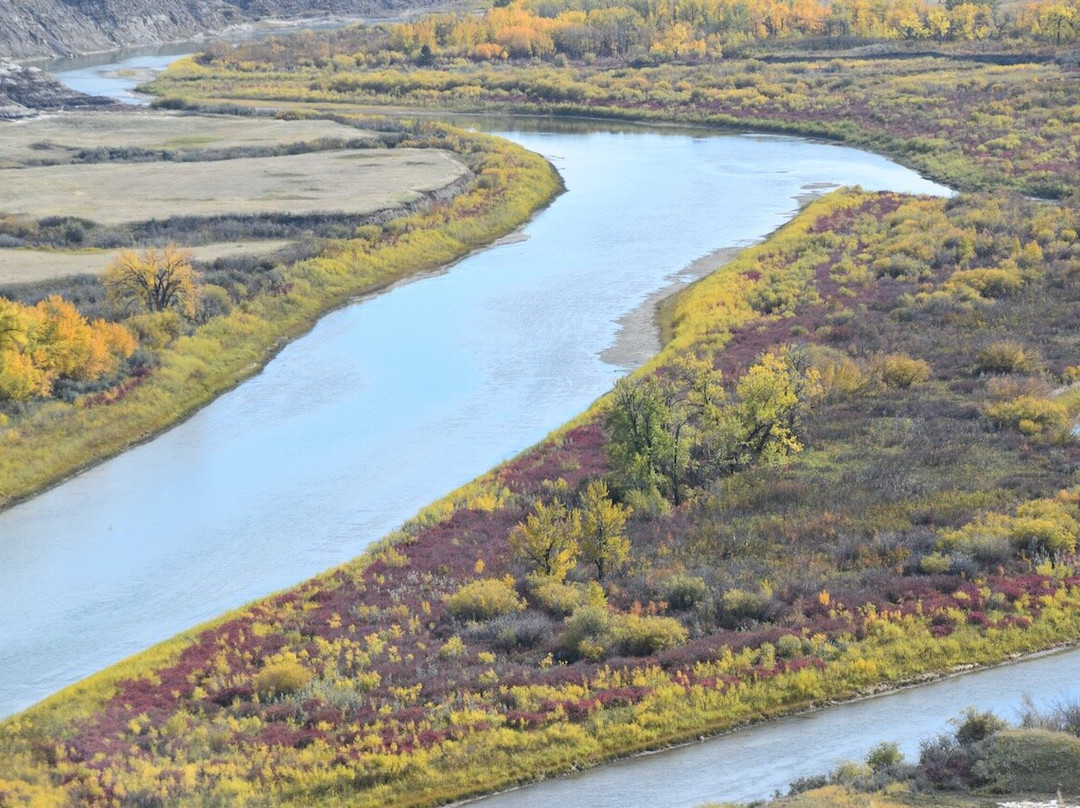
{"x":754,"y":763}
{"x":392,"y":402}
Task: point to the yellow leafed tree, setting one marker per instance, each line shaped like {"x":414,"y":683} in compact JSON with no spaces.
{"x":51,"y":340}
{"x":153,"y":280}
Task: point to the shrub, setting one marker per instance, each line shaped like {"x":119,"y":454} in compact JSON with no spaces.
{"x":682,"y":592}
{"x":841,"y":376}
{"x":214,"y":302}
{"x":789,"y":646}
{"x":1030,"y":760}
{"x":976,"y":726}
{"x":586,"y":632}
{"x":1006,"y":356}
{"x":898,"y":370}
{"x":1032,"y":416}
{"x":945,"y":764}
{"x":934,"y":564}
{"x":988,"y":282}
{"x":560,"y":598}
{"x":1062,"y":717}
{"x":512,"y":632}
{"x":156,"y":330}
{"x":484,"y":599}
{"x":636,"y":635}
{"x":452,"y":648}
{"x":282,"y":677}
{"x":884,"y":756}
{"x":1043,"y":535}
{"x":738,"y":603}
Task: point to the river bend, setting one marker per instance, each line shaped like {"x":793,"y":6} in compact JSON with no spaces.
{"x":387,"y":404}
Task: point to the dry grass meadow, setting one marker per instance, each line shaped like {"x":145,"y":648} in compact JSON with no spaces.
{"x":347,"y":181}
{"x":43,"y":174}
{"x":56,"y":138}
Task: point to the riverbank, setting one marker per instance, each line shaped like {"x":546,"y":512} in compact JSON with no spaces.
{"x":931,"y":518}
{"x":368,"y":686}
{"x":57,"y":441}
{"x":730,"y":767}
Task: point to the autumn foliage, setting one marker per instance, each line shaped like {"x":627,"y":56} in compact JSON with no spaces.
{"x":152,"y":281}
{"x":49,"y":341}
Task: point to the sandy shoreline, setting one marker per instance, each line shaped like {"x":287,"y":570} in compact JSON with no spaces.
{"x":638,"y":339}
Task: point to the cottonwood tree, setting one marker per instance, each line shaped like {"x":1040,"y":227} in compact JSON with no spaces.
{"x":602,"y":529}
{"x":655,"y":425}
{"x":666,"y":432}
{"x":548,"y":539}
{"x":153,"y":281}
{"x":772,"y":399}
{"x":52,"y":340}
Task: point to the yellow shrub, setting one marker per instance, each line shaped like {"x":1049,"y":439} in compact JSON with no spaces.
{"x":282,"y":677}
{"x":1006,"y":356}
{"x":987,"y":282}
{"x":1029,"y":414}
{"x":484,"y":599}
{"x":899,"y":370}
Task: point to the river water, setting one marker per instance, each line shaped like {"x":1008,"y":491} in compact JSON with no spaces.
{"x":754,"y":763}
{"x":394,"y":401}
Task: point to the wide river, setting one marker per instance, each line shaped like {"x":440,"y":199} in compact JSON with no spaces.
{"x":394,"y":401}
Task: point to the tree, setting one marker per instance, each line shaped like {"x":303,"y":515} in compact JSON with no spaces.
{"x":639,"y":427}
{"x":772,"y":398}
{"x":153,"y":281}
{"x":602,"y":529}
{"x":13,"y":324}
{"x":547,"y":539}
{"x":50,"y":340}
{"x":1057,"y":17}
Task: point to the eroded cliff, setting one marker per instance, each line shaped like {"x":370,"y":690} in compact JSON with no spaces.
{"x":41,"y":28}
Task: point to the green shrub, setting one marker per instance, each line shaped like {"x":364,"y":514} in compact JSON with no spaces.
{"x":1022,"y":760}
{"x":214,"y":301}
{"x":789,"y":646}
{"x":157,"y":330}
{"x":977,"y":726}
{"x":934,"y":564}
{"x":484,"y":599}
{"x":561,"y":598}
{"x":884,"y":756}
{"x":682,"y":592}
{"x":740,"y":603}
{"x":586,"y":633}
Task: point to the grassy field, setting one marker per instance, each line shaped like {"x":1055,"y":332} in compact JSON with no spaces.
{"x":59,"y":138}
{"x":349,"y":180}
{"x":31,"y":266}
